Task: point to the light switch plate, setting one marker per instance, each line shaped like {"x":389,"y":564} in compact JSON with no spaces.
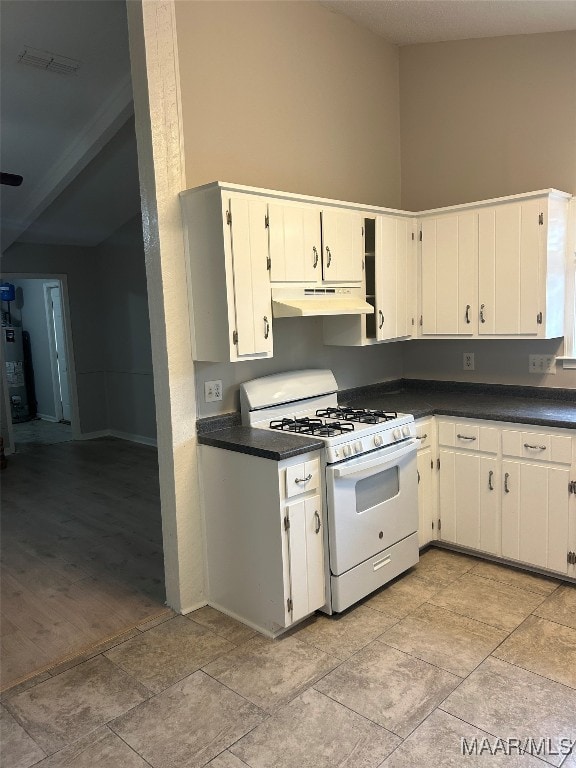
{"x":542,"y":363}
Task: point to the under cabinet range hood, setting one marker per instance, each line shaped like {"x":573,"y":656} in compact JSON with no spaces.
{"x":310,"y":302}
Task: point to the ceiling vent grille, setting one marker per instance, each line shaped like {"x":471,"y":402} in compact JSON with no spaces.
{"x":51,"y":62}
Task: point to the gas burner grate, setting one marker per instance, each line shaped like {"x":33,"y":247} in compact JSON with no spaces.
{"x":359,"y":415}
{"x":307,"y":426}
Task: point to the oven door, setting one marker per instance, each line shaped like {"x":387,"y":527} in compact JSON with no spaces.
{"x":372,"y":504}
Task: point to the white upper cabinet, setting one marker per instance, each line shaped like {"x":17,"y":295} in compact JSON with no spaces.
{"x":389,"y":284}
{"x":341,"y":246}
{"x":295,"y":243}
{"x":522,"y":251}
{"x":395,"y":288}
{"x":495,"y":269}
{"x":449,"y":257}
{"x":227,"y":271}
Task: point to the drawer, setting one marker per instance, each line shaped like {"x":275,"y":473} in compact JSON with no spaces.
{"x":468,"y":436}
{"x":424,"y":433}
{"x":537,"y":445}
{"x":302,"y":478}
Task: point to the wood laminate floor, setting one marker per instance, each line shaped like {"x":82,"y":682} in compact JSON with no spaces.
{"x":81,"y":550}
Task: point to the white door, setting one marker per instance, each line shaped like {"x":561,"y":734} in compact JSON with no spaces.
{"x":306,"y":555}
{"x":54,"y":298}
{"x":394,"y":289}
{"x":535,"y":520}
{"x":449,"y":274}
{"x":252,"y":292}
{"x":510,"y":240}
{"x":342,"y":246}
{"x":294,"y":237}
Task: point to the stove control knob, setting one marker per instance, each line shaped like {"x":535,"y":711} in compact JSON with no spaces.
{"x":378,"y":440}
{"x":358,"y":446}
{"x":397,"y":434}
{"x":406,"y":431}
{"x":346,"y":450}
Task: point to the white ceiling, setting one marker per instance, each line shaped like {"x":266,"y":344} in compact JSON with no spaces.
{"x":72,"y":137}
{"x":54,"y":126}
{"x":407,"y":22}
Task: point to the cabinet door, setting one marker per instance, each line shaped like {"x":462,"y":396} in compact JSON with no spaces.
{"x":252,"y":291}
{"x":342,"y":246}
{"x":535,"y":520}
{"x":449,"y":274}
{"x":510,"y":243}
{"x":469,"y":500}
{"x":294,"y":236}
{"x":394,"y":278}
{"x":306,"y":555}
{"x":425,"y":497}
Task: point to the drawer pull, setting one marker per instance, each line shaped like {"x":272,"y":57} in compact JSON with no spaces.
{"x":303,"y":479}
{"x":535,"y":447}
{"x":506,"y":478}
{"x":490,"y":476}
{"x":465,"y":437}
{"x":381,"y":563}
{"x":318,"y":524}
{"x":421,"y":437}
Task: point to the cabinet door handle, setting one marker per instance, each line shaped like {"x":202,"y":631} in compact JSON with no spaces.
{"x":380,"y":313}
{"x":465,"y":437}
{"x":266,"y":327}
{"x":535,"y":447}
{"x":329,"y":254}
{"x":490,"y":476}
{"x":315,"y":252}
{"x":418,"y":472}
{"x":421,"y":437}
{"x":318,"y":524}
{"x":506,"y":478}
{"x":482,"y":318}
{"x":303,"y":479}
{"x":468,"y":313}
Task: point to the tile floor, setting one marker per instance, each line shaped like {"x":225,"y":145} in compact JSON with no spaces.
{"x":455,"y":649}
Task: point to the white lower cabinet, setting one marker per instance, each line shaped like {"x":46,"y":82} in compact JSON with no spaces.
{"x":536,"y":498}
{"x":468,"y":485}
{"x":508,"y":492}
{"x":264,"y":524}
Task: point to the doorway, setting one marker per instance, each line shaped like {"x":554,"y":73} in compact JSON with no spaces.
{"x":39,"y":361}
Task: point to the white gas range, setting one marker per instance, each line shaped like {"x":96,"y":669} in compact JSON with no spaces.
{"x":369,"y":473}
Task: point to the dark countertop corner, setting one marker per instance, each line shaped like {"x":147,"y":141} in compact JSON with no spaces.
{"x":260,"y":442}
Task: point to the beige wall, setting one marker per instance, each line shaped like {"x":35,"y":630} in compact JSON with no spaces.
{"x":488,"y":117}
{"x":288,"y":96}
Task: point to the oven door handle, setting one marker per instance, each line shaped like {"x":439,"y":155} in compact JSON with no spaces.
{"x":383,"y":462}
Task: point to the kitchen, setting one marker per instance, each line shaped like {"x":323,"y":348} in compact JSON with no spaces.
{"x":349,"y":111}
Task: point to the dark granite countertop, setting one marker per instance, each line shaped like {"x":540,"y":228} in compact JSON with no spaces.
{"x":260,"y":442}
{"x":519,"y":405}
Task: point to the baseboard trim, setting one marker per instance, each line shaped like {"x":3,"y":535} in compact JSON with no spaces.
{"x":134,"y":438}
{"x":94,"y":435}
{"x":46,"y":417}
{"x":194,"y":607}
{"x":120,"y":435}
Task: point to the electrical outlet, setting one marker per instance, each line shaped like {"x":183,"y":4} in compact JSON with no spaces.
{"x":549,"y":363}
{"x":542,"y":363}
{"x":468,"y":361}
{"x":212,"y":391}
